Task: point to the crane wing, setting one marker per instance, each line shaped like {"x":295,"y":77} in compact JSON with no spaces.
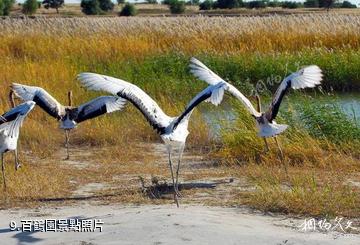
{"x":99,"y":106}
{"x":308,"y":77}
{"x":41,"y":98}
{"x":14,"y":119}
{"x":213,"y":94}
{"x":142,"y":101}
{"x":202,"y":72}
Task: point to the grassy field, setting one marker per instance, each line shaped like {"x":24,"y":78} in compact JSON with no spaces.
{"x":322,"y":150}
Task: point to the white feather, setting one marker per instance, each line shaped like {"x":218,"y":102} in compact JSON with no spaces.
{"x":11,"y":129}
{"x":112,"y":103}
{"x":202,"y":72}
{"x":115,"y":104}
{"x":112,"y":85}
{"x":308,"y":77}
{"x":217,"y":94}
{"x":27,"y":93}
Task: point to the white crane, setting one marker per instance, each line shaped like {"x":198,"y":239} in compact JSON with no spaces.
{"x":307,"y":77}
{"x":10,"y":124}
{"x":68,"y":116}
{"x":172,"y":130}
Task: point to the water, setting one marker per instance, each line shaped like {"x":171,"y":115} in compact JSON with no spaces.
{"x":215,"y":116}
{"x":350,"y":105}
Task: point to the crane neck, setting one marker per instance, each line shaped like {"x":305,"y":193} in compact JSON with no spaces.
{"x":258,"y":101}
{"x":70,"y":98}
{"x":12,"y":98}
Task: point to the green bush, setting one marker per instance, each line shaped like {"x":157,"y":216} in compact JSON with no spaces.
{"x":90,"y":7}
{"x":193,"y":2}
{"x":30,"y":7}
{"x":106,"y":5}
{"x":328,"y":121}
{"x":5,"y":6}
{"x":290,"y":5}
{"x":326,"y":3}
{"x":311,"y":4}
{"x":177,"y":7}
{"x":206,"y":5}
{"x":128,"y":10}
{"x":347,"y":4}
{"x":2,"y":5}
{"x":120,"y":2}
{"x":274,"y":4}
{"x":228,"y":4}
{"x":55,"y":4}
{"x":256,"y":4}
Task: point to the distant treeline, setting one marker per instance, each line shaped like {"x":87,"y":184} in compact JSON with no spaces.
{"x":229,"y":4}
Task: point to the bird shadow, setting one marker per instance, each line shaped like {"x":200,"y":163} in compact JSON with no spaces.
{"x":155,"y":190}
{"x":159,"y":188}
{"x":76,"y":198}
{"x":27,"y":236}
{"x":20,"y":236}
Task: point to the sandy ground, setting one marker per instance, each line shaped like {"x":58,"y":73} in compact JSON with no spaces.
{"x":166,"y":224}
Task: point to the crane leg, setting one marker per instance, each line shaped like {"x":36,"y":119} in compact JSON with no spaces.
{"x":172,"y":176}
{"x":17,"y":164}
{"x":181,"y":150}
{"x":3,"y":170}
{"x":281,"y":154}
{"x":67,"y":139}
{"x":266,"y":145}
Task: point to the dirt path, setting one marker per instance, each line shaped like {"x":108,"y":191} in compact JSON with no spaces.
{"x":167,"y":224}
{"x":192,"y":223}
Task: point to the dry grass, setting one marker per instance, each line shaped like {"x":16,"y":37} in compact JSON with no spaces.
{"x":105,"y":36}
{"x":315,"y":191}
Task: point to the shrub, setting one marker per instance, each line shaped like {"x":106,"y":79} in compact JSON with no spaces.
{"x":120,"y":2}
{"x":128,"y":10}
{"x":106,"y":5}
{"x":2,"y":5}
{"x":55,"y":4}
{"x":326,"y":3}
{"x":5,"y":6}
{"x":256,"y":4}
{"x":347,"y":4}
{"x":274,"y":4}
{"x":90,"y":7}
{"x":193,"y":2}
{"x":177,"y":7}
{"x":328,"y":121}
{"x":151,"y":1}
{"x":290,"y":5}
{"x":30,"y":7}
{"x":311,"y":4}
{"x":228,"y":4}
{"x":206,"y":5}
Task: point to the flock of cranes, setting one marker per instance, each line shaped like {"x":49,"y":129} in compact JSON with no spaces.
{"x":172,"y":130}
